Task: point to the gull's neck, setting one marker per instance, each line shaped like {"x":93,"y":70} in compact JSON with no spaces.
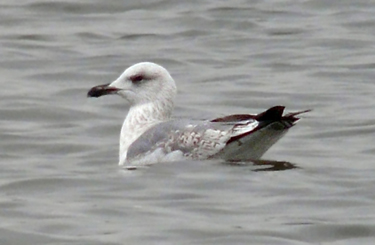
{"x":139,"y":119}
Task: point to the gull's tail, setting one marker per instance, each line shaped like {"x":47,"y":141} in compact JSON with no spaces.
{"x":252,"y":144}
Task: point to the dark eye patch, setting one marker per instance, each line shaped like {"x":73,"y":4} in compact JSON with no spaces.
{"x":137,"y":78}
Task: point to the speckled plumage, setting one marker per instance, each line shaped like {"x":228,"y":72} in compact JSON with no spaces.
{"x":185,"y":139}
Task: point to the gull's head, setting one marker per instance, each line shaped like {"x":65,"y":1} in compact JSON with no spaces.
{"x":141,"y":83}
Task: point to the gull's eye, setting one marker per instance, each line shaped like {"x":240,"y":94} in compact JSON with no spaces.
{"x":136,"y":79}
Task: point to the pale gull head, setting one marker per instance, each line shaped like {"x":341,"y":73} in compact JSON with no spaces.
{"x":141,"y":83}
{"x":150,"y":90}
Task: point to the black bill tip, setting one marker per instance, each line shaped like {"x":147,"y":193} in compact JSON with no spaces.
{"x":101,"y":90}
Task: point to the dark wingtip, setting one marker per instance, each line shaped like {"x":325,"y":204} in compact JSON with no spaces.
{"x":276,"y":114}
{"x":292,"y":116}
{"x":273,"y":114}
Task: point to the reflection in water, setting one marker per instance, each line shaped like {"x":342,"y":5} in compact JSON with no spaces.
{"x":266,"y":165}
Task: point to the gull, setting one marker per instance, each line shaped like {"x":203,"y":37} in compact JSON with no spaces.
{"x":150,"y":135}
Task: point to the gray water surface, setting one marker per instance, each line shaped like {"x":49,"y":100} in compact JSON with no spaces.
{"x":60,"y":183}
